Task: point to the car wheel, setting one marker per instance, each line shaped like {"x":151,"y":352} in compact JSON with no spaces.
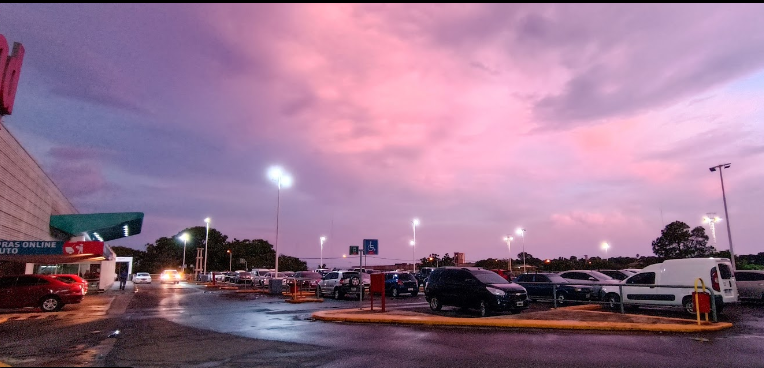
{"x":483,"y":309}
{"x":435,"y":303}
{"x":561,"y":297}
{"x":687,"y":303}
{"x":51,"y":303}
{"x":613,"y":301}
{"x":336,"y":293}
{"x":395,"y":293}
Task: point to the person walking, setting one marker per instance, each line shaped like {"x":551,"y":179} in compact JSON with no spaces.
{"x":122,"y":278}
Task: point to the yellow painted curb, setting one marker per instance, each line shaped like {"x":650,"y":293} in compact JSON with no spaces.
{"x":305,"y":300}
{"x":343,"y":316}
{"x":3,"y":365}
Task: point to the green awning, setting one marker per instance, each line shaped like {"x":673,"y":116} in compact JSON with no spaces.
{"x":100,"y":226}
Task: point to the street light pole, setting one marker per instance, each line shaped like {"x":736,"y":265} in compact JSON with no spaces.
{"x":230,"y":260}
{"x":726,"y":215}
{"x":521,"y":231}
{"x":508,"y":239}
{"x":414,"y":224}
{"x":206,"y":240}
{"x":184,"y":237}
{"x":277,"y":175}
{"x":606,"y":246}
{"x":323,"y":238}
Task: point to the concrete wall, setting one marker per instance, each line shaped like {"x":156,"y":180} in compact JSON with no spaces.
{"x":28,"y":197}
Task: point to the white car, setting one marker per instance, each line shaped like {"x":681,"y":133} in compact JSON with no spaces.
{"x":171,"y":276}
{"x":142,"y":278}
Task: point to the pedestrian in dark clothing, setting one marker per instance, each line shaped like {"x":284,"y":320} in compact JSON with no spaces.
{"x":122,"y":279}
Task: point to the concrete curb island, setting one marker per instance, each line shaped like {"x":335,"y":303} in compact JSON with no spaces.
{"x":654,"y":324}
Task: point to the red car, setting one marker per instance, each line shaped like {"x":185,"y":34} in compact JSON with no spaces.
{"x":44,"y":292}
{"x":73,"y":279}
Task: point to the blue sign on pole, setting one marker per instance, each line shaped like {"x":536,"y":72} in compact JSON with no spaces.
{"x":31,"y":247}
{"x":371,"y":247}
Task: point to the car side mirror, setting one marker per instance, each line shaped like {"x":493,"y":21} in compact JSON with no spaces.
{"x":592,"y":279}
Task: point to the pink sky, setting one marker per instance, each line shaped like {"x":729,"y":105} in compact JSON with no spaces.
{"x":580,"y":123}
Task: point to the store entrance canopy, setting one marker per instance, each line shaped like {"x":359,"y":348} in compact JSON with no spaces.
{"x":101,"y":226}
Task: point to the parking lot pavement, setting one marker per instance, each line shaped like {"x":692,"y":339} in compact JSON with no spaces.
{"x":584,"y":317}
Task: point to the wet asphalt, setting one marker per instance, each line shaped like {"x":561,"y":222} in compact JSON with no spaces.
{"x":189,"y":326}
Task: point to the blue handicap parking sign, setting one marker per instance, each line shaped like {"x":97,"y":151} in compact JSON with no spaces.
{"x":371,"y":247}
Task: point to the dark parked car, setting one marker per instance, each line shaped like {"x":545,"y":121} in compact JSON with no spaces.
{"x":540,"y":286}
{"x":306,"y":280}
{"x":397,"y":283}
{"x":474,"y":287}
{"x":45,"y":292}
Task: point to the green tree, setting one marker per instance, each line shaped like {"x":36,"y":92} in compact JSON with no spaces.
{"x":447,"y":260}
{"x":138,"y":256}
{"x":289,"y":263}
{"x":217,"y":255}
{"x":678,"y":241}
{"x":492,"y":263}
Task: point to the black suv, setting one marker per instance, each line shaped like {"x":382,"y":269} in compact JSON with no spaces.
{"x":541,"y":286}
{"x":474,"y":287}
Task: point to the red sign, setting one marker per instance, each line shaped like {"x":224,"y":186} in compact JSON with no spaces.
{"x":10,"y":68}
{"x":84,"y":247}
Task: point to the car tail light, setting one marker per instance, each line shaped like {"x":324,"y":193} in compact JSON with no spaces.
{"x":715,"y":279}
{"x":76,"y":289}
{"x":400,"y":282}
{"x":343,"y":281}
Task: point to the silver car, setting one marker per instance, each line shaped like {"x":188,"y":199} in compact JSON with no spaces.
{"x":142,"y":278}
{"x":750,"y":284}
{"x":589,"y":277}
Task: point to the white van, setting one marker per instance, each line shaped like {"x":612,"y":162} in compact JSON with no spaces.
{"x":715,"y":272}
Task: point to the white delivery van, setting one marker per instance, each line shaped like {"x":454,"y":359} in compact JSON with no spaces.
{"x":644,"y":288}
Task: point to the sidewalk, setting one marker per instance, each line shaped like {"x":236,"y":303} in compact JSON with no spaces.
{"x":584,"y":317}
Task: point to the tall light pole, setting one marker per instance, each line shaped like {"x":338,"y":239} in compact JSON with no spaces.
{"x":230,"y":260}
{"x":509,"y":239}
{"x":606,"y":246}
{"x":726,"y":215}
{"x":281,"y":178}
{"x":323,"y":239}
{"x":206,"y":240}
{"x":521,"y":231}
{"x":413,"y":258}
{"x":414,"y":224}
{"x":711,"y":219}
{"x":184,"y":237}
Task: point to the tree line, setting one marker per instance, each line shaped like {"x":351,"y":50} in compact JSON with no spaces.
{"x":677,"y":240}
{"x":246,"y":254}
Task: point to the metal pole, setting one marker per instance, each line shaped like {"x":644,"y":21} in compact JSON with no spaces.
{"x":230,"y":261}
{"x":509,"y":248}
{"x":727,"y":217}
{"x":413,"y":249}
{"x":206,"y":240}
{"x":184,"y":254}
{"x":278,"y":204}
{"x":525,"y":269}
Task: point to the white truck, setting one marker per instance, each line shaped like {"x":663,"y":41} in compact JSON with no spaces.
{"x":645,"y":287}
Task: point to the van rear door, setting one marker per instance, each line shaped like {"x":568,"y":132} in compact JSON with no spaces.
{"x":727,"y":282}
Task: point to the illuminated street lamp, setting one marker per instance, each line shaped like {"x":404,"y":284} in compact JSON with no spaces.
{"x":322,"y":239}
{"x":230,"y":260}
{"x":605,"y":246}
{"x":184,"y":237}
{"x":711,"y":219}
{"x":436,"y":261}
{"x":509,"y":239}
{"x":521,"y":231}
{"x":206,"y":239}
{"x":281,"y":178}
{"x":414,"y":224}
{"x":726,"y":215}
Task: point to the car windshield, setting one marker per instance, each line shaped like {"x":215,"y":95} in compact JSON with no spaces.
{"x":488,"y":277}
{"x":405,"y":277}
{"x":142,"y":274}
{"x":557,"y":279}
{"x":312,"y":275}
{"x":601,"y":276}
